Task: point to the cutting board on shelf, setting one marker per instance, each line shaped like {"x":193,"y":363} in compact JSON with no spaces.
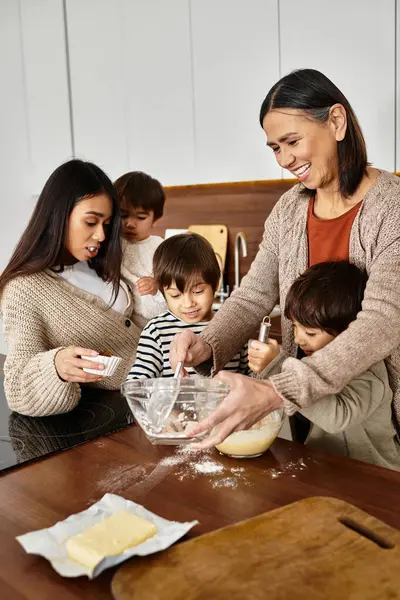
{"x":314,"y":549}
{"x":217,"y":235}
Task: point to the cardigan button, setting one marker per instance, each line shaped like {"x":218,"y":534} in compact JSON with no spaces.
{"x":127,"y":323}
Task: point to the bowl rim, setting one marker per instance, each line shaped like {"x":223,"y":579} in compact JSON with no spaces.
{"x":145,"y":384}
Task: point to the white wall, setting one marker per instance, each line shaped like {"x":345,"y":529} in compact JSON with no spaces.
{"x":355,"y":48}
{"x":46,"y":87}
{"x":174,"y":87}
{"x":235,"y":61}
{"x":16,"y":181}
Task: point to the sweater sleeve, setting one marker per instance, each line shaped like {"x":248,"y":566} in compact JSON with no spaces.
{"x":149,"y":356}
{"x":355,"y":403}
{"x":372,"y":337}
{"x":241,"y":314}
{"x":31,"y":381}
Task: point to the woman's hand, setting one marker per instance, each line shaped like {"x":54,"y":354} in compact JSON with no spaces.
{"x":248,"y":401}
{"x":70,"y":365}
{"x":261,"y":354}
{"x":147,"y":286}
{"x":189,"y":348}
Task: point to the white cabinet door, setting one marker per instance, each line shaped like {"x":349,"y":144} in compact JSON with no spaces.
{"x":131,"y":86}
{"x":46,"y":86}
{"x":352,"y":43}
{"x":235,"y":62}
{"x":158,"y":81}
{"x":97,"y":83}
{"x":15,"y":168}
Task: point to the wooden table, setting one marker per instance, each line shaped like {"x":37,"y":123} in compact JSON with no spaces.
{"x":39,"y":494}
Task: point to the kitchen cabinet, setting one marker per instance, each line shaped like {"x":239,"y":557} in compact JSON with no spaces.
{"x":353,"y":43}
{"x":97,"y":83}
{"x":131,"y":86}
{"x":15,"y":166}
{"x":235,"y":62}
{"x":175,"y":88}
{"x":158,"y":83}
{"x":45,"y":87}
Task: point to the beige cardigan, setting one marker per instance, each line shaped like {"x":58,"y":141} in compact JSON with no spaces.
{"x":42,"y":314}
{"x":283,"y":256}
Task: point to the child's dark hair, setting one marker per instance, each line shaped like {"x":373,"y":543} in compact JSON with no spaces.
{"x":139,"y":190}
{"x":181,"y":258}
{"x":327,"y":296}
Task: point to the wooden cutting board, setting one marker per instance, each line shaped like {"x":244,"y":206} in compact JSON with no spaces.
{"x":217,"y":235}
{"x":303,"y":551}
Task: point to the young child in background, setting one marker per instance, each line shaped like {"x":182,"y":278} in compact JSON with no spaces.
{"x":141,"y":200}
{"x":187,"y":272}
{"x":357,"y":421}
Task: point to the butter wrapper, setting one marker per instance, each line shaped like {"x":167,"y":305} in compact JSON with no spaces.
{"x":51,"y":543}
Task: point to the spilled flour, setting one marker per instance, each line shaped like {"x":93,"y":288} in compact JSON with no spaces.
{"x":290,"y":468}
{"x":196,"y":463}
{"x":208,"y":467}
{"x":187,"y":464}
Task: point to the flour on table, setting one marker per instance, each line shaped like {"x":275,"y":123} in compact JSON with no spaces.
{"x":194,"y":463}
{"x":289,"y":468}
{"x":208,"y":467}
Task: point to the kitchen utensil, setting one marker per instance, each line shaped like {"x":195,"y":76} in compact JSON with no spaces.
{"x":314,"y":549}
{"x":217,"y":235}
{"x":263,"y":334}
{"x":162,"y":403}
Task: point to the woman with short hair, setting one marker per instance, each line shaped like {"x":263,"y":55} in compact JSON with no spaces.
{"x":341,"y":208}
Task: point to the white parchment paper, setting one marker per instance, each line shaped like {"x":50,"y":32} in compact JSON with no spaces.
{"x":51,"y":542}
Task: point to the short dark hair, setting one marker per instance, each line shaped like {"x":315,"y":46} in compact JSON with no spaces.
{"x":181,"y":258}
{"x":139,"y":190}
{"x":313,"y":93}
{"x":327,"y":296}
{"x":42,"y":245}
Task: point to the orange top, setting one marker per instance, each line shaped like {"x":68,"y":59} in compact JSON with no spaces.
{"x":329,"y":239}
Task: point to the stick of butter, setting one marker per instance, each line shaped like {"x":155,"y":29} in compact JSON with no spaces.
{"x":112,"y":536}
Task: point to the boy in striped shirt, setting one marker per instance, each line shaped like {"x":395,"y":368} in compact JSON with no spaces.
{"x":187,"y":273}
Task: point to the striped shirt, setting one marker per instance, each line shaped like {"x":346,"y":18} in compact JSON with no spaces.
{"x":152,"y":355}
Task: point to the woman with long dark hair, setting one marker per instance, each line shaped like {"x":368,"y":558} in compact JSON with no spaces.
{"x":62,"y":296}
{"x":341,"y":208}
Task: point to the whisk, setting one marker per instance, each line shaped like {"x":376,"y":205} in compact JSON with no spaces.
{"x":162,"y":402}
{"x":263,"y":336}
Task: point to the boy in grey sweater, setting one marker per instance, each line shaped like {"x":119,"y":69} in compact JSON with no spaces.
{"x":356,"y":421}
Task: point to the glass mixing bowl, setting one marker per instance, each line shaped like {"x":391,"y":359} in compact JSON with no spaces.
{"x":166,"y":409}
{"x":253,"y":442}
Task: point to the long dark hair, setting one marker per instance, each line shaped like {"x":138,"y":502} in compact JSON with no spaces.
{"x":314,"y":94}
{"x":42,"y":245}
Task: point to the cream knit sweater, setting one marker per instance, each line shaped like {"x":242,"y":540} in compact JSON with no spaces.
{"x":42,"y":314}
{"x":283,"y":256}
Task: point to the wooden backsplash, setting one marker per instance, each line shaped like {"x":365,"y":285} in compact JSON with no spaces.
{"x":239,"y":206}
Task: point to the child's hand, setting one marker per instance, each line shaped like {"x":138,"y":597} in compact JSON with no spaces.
{"x":147,"y":285}
{"x":260,"y":354}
